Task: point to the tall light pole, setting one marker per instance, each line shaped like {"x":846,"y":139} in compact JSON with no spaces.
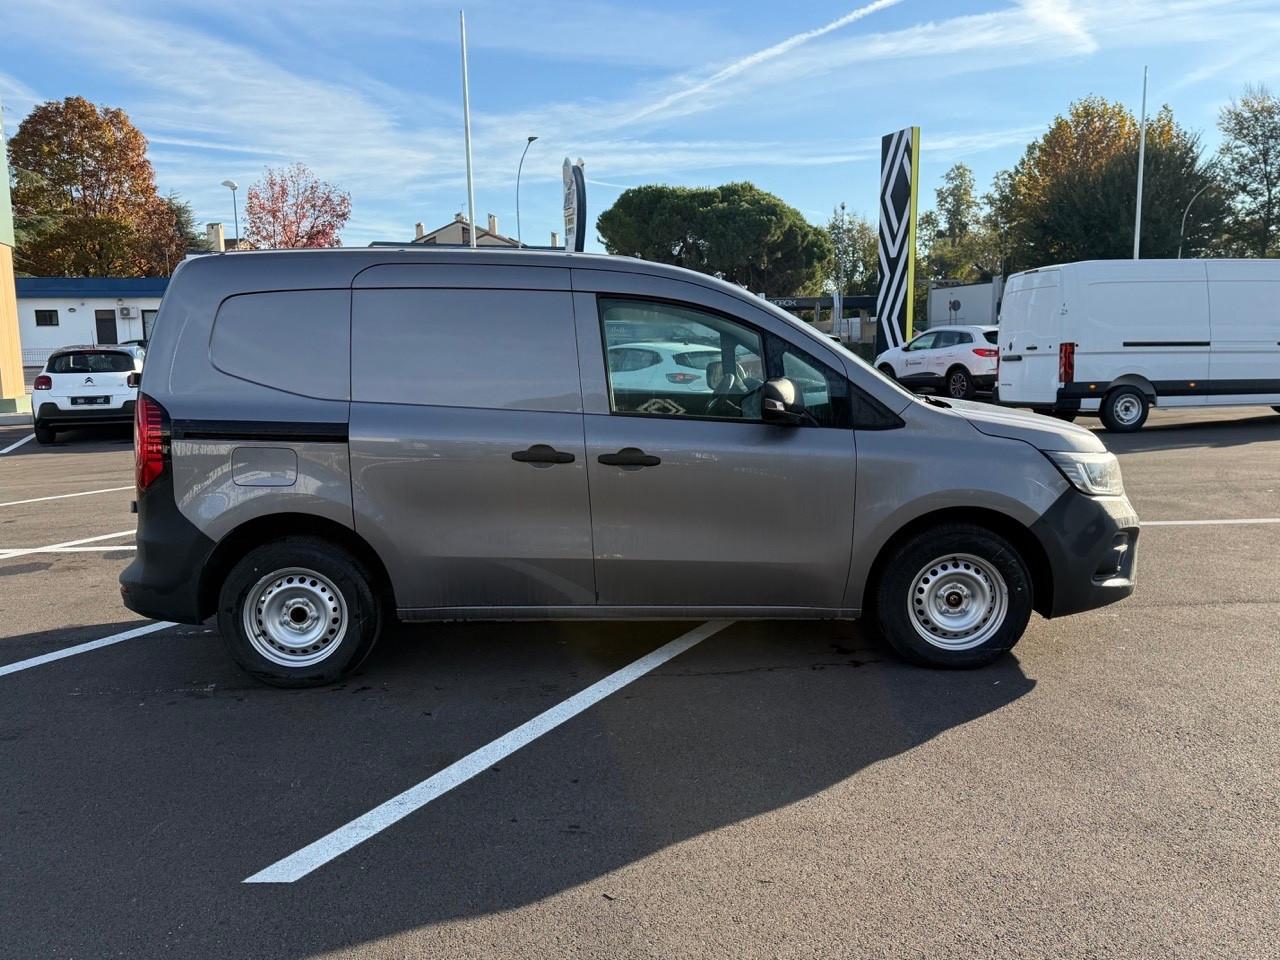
{"x":466,"y":127}
{"x":235,"y":209}
{"x":1183,"y":229}
{"x":519,"y":169}
{"x":1142,"y":158}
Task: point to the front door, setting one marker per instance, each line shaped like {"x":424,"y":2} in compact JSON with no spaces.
{"x":105,"y":321}
{"x":468,"y":465}
{"x":916,"y":359}
{"x":697,"y":503}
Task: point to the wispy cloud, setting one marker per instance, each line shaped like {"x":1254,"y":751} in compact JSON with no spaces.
{"x":746,"y":63}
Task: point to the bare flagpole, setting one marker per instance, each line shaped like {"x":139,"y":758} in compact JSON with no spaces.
{"x":1142,"y":157}
{"x":466,"y":126}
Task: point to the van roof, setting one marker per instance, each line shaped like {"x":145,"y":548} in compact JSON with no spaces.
{"x":1120,"y":263}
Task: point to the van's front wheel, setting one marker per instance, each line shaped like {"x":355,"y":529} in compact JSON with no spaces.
{"x":298,"y":612}
{"x":955,"y":596}
{"x":1124,"y":410}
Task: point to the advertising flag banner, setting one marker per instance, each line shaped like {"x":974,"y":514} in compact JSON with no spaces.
{"x":575,"y":206}
{"x":899,"y":176}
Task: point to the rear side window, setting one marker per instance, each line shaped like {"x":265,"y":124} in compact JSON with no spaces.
{"x":491,"y":349}
{"x":626,"y":359}
{"x":96,"y":362}
{"x":993,"y":336}
{"x":295,"y":340}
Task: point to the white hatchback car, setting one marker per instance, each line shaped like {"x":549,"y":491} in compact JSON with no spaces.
{"x":668,"y":367}
{"x":955,"y":360}
{"x":86,"y":386}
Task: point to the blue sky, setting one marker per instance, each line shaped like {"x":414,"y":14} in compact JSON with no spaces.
{"x":793,"y":96}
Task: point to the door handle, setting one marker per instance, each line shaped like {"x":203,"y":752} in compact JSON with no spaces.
{"x":629,"y":457}
{"x":1030,"y":346}
{"x":542,"y":453}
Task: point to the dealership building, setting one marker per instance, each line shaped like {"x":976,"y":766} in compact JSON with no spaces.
{"x":57,"y":312}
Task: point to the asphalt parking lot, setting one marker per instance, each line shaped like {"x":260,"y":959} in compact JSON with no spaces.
{"x":779,"y":789}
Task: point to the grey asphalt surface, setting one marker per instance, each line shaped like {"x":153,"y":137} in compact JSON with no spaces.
{"x":782,"y":789}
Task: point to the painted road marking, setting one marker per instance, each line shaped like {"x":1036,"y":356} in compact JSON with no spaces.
{"x":317,"y":854}
{"x":1206,"y":523}
{"x":84,"y":647}
{"x":11,"y":552}
{"x":65,"y":496}
{"x":15,"y":446}
{"x":101,"y":548}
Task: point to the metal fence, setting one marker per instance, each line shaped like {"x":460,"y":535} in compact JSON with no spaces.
{"x":36,"y":356}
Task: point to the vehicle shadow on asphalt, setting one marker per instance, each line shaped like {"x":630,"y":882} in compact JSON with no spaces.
{"x":1209,"y":433}
{"x":95,"y":440}
{"x":155,"y":766}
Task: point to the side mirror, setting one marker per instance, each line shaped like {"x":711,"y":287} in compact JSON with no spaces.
{"x":782,"y":403}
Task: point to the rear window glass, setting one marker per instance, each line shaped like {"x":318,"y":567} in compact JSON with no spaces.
{"x":697,"y":361}
{"x":102,"y":362}
{"x":993,"y":336}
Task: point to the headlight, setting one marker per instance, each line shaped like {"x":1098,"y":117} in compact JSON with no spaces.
{"x":1097,"y":474}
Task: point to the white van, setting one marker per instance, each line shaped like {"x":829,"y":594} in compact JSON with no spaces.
{"x":1115,"y":337}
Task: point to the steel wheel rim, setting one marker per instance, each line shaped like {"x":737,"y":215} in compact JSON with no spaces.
{"x":957,"y":602}
{"x":959,"y":385}
{"x":295,"y":617}
{"x":1128,"y":409}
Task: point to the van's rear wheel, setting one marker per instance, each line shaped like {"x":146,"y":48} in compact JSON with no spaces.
{"x":954,"y":596}
{"x":1124,"y":410}
{"x":299,"y":612}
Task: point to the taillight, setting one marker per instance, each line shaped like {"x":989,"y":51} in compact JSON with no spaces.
{"x":133,"y":380}
{"x":1066,"y":362}
{"x":150,"y":441}
{"x":682,"y":377}
{"x":42,"y":382}
{"x":986,"y":352}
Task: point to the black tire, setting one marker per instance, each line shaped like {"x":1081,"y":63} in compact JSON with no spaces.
{"x":887,"y":371}
{"x":45,"y":434}
{"x":349,"y":585}
{"x":1116,"y":406}
{"x":959,"y":384}
{"x":931,"y":552}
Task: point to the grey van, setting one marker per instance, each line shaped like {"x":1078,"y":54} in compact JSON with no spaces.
{"x":329,"y":439}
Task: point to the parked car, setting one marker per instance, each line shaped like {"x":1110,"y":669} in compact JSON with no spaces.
{"x":327,"y":439}
{"x":1114,"y":338}
{"x":957,"y":361}
{"x":85,"y":386}
{"x":673,"y":367}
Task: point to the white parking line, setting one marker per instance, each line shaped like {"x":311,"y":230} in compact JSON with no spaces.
{"x":83,"y":647}
{"x":1207,"y":523}
{"x":317,"y":854}
{"x":65,"y":496}
{"x":15,"y":446}
{"x":102,"y":548}
{"x":11,"y":552}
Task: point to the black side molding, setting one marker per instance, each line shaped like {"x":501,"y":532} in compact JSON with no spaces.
{"x":260,"y":430}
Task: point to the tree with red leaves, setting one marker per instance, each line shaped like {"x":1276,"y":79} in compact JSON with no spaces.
{"x":290,"y":207}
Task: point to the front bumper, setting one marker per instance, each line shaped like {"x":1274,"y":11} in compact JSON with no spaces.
{"x":1091,"y":544}
{"x":50,"y":414}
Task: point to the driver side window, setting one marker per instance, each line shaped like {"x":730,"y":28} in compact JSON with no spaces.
{"x":707,"y":366}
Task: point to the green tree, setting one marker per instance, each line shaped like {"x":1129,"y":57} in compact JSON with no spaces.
{"x":736,"y":231}
{"x":1250,"y":160}
{"x":84,"y":194}
{"x":855,"y":254}
{"x":1072,"y":195}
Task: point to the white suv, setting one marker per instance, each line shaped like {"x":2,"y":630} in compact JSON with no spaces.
{"x":86,"y":386}
{"x":955,"y":360}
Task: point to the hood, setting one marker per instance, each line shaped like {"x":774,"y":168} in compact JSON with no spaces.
{"x":1037,"y":429}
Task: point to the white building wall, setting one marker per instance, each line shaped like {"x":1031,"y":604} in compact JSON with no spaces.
{"x":76,"y":322}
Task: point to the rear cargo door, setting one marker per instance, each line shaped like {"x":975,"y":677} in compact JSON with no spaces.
{"x":1244,"y":305}
{"x":1030,"y":331}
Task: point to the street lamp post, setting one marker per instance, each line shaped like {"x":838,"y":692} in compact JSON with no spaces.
{"x":1183,"y":229}
{"x":235,"y":210}
{"x":519,"y":170}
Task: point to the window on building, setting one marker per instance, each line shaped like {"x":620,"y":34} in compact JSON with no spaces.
{"x":46,"y":318}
